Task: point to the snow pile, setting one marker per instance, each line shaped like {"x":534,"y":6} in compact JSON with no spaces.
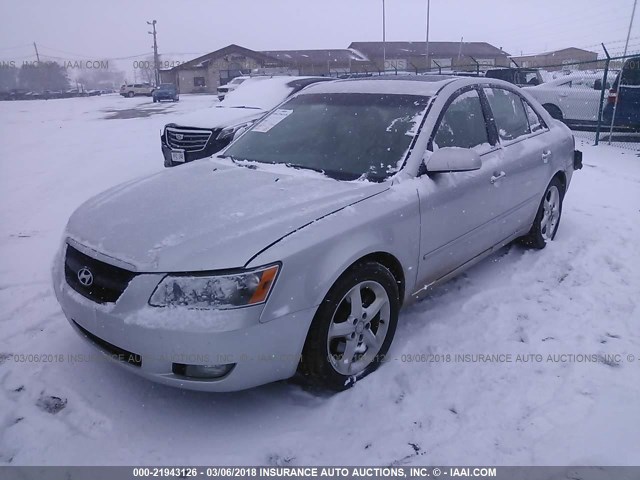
{"x":433,"y":402}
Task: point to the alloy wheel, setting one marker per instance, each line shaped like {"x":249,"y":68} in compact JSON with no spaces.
{"x":358,"y":328}
{"x":551,"y":215}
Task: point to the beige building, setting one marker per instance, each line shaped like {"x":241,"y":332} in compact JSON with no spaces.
{"x":206,"y":73}
{"x":412,"y":56}
{"x":573,"y":58}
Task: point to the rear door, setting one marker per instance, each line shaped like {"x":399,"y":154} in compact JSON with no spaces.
{"x":459,"y":210}
{"x":527,"y":153}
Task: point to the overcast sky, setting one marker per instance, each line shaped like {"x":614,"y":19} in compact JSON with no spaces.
{"x":116,"y":28}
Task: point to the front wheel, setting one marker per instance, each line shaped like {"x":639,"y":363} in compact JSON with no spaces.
{"x":545,"y":225}
{"x":353,"y":327}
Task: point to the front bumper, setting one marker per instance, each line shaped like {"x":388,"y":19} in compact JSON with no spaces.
{"x":212,"y":147}
{"x":165,"y":96}
{"x":151,"y":341}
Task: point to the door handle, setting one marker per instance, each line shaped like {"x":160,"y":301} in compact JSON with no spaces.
{"x":546,"y":155}
{"x":497,"y":176}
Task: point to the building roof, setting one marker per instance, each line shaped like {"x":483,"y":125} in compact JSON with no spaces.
{"x":556,"y":52}
{"x":436,"y":49}
{"x":315,"y":57}
{"x":228,"y":50}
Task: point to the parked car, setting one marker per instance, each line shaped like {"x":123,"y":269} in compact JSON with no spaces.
{"x":295,"y":248}
{"x":206,"y":132}
{"x":136,"y":89}
{"x":517,"y":76}
{"x":230,"y":87}
{"x":573,"y":98}
{"x":74,"y":92}
{"x":50,"y":94}
{"x":166,"y":91}
{"x":626,"y":90}
{"x":17,"y":94}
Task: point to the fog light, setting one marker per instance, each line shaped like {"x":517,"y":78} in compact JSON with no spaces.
{"x":205,"y":372}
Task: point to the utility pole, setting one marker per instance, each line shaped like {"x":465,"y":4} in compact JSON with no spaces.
{"x":37,"y":54}
{"x":156,"y":67}
{"x":384,"y":39}
{"x":426,"y":53}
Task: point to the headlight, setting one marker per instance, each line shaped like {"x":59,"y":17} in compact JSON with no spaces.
{"x":219,"y":291}
{"x":230,"y":132}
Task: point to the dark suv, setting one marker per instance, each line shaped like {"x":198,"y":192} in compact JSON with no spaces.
{"x":517,"y":76}
{"x":165,"y":91}
{"x":626,"y":89}
{"x":205,"y":132}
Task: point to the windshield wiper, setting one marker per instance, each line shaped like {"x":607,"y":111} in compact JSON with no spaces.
{"x":306,"y":167}
{"x":334,"y":174}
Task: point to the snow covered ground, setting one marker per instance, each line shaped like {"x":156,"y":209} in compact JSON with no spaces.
{"x":577,"y":297}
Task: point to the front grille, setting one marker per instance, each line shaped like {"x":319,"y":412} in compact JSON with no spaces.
{"x":189,"y":140}
{"x":96,"y":280}
{"x":116,"y":352}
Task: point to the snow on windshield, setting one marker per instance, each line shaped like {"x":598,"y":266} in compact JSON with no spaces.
{"x":344,"y":135}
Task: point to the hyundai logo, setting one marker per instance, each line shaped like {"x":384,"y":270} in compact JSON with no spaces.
{"x":179,"y":136}
{"x":85,"y":277}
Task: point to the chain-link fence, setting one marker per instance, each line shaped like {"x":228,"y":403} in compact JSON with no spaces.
{"x":598,"y":98}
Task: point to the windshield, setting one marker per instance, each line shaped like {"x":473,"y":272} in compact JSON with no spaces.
{"x":347,"y":136}
{"x":166,"y":86}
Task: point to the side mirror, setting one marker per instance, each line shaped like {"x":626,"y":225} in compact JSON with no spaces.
{"x":452,"y":159}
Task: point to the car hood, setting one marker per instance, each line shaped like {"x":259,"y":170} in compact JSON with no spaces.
{"x":218,"y":117}
{"x":208,"y":215}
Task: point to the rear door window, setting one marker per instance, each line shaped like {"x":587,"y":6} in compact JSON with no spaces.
{"x":509,"y":113}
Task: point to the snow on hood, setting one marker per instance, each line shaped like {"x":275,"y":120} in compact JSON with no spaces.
{"x":249,"y":101}
{"x":219,"y":116}
{"x":261,"y":92}
{"x":207,"y":215}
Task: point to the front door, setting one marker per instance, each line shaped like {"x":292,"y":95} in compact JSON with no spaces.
{"x":459,"y":209}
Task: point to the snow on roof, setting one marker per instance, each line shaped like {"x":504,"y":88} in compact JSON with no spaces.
{"x":426,"y":86}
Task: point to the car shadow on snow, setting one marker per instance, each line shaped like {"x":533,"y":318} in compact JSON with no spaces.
{"x":142,"y":110}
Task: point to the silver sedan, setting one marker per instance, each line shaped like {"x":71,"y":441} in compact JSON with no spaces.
{"x":296,"y":247}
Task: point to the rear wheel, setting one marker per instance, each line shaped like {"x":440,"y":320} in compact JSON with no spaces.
{"x":130,"y":94}
{"x":353,"y":327}
{"x":545,"y":225}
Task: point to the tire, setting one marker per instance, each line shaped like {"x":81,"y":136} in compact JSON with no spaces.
{"x":339,"y":327}
{"x":554,"y":111}
{"x":131,"y":94}
{"x":155,"y":100}
{"x":545,"y":227}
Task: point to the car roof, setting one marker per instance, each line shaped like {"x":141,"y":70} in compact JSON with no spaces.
{"x":425,"y":85}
